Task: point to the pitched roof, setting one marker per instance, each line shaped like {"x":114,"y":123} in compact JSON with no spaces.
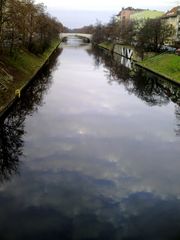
{"x":146,"y":14}
{"x":171,"y":13}
{"x":130,"y":9}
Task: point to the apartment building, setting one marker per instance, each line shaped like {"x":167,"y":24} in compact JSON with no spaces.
{"x":173,"y":17}
{"x":125,"y":14}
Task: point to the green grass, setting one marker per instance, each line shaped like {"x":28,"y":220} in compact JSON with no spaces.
{"x":146,"y":14}
{"x":23,"y":66}
{"x":27,"y":62}
{"x":167,"y":65}
{"x":106,"y":45}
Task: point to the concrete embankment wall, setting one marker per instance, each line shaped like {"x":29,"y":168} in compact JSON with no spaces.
{"x":126,"y":51}
{"x":151,"y":62}
{"x":123,"y":50}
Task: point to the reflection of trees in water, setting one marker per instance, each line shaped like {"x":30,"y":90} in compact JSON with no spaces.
{"x":145,"y":85}
{"x":148,"y":89}
{"x":11,"y":132}
{"x":12,"y":127}
{"x":177,"y":113}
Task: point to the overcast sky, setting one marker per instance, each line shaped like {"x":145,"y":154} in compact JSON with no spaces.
{"x":77,"y":13}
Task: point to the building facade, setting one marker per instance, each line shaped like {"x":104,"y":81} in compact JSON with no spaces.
{"x":172,"y":17}
{"x":124,"y":15}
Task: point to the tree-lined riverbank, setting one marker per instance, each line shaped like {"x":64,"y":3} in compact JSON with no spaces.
{"x":28,"y":37}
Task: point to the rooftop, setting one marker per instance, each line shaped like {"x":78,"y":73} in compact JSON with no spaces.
{"x":130,"y":9}
{"x":146,"y":14}
{"x":171,"y":13}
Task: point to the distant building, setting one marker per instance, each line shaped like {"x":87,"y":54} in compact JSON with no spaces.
{"x":128,"y":14}
{"x":173,"y":17}
{"x":124,"y":15}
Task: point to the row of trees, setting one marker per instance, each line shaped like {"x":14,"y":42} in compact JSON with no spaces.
{"x":149,"y":34}
{"x":26,"y":24}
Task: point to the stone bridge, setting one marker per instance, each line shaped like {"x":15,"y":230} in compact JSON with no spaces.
{"x":81,"y":35}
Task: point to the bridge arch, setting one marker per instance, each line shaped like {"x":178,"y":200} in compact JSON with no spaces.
{"x":81,"y":35}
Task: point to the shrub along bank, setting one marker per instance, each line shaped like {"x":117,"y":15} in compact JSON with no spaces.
{"x":17,"y":71}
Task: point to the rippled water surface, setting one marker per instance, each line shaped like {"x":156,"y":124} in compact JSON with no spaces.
{"x":91,"y":151}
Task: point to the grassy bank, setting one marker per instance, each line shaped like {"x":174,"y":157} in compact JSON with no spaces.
{"x":167,"y":65}
{"x":106,"y":45}
{"x":136,"y":57}
{"x":22,"y":67}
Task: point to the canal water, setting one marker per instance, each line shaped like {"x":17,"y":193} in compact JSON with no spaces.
{"x":91,"y":151}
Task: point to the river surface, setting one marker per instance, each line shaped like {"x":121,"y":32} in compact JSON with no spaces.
{"x":91,"y":151}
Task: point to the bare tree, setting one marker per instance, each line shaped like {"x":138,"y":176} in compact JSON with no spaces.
{"x":153,"y":34}
{"x":28,"y":24}
{"x":2,"y":20}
